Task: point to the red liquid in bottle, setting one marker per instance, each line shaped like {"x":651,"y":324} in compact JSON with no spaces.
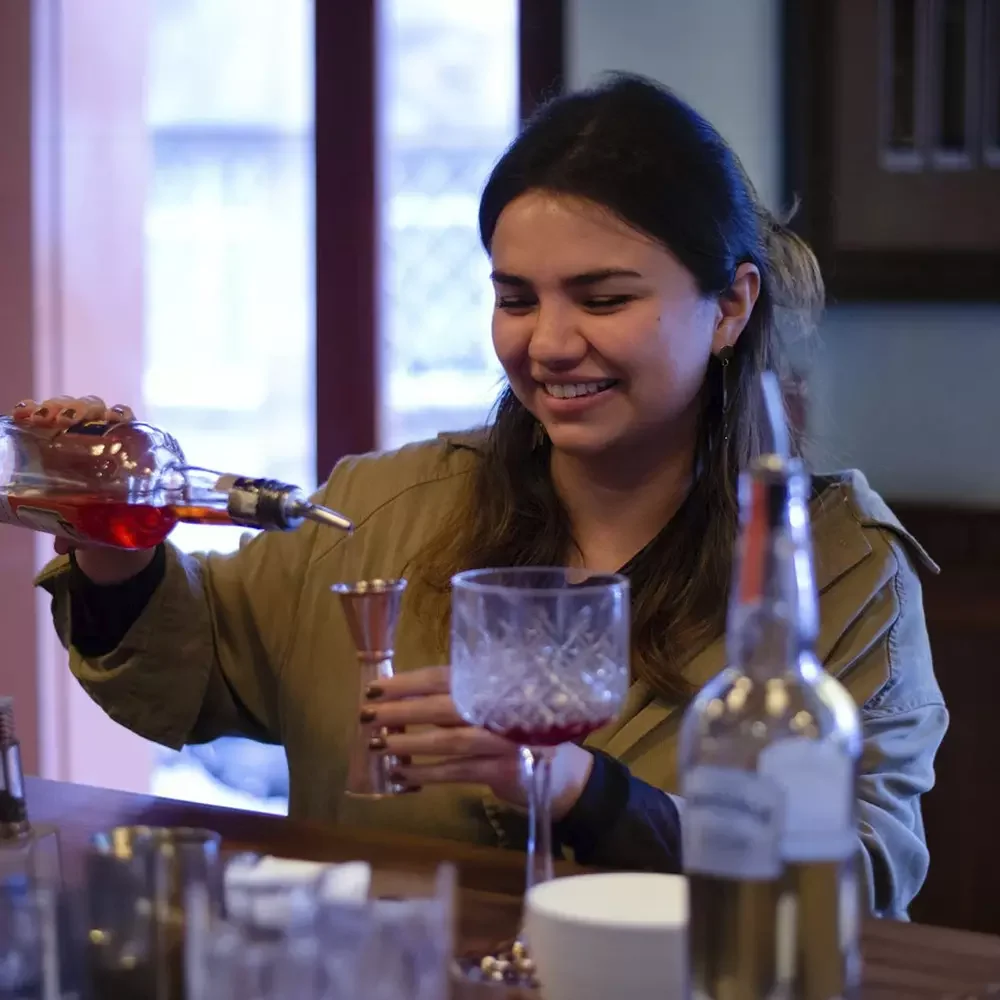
{"x":82,"y":518}
{"x":86,"y":518}
{"x":551,"y":736}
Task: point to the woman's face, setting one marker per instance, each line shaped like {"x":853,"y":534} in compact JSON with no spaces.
{"x":602,"y":332}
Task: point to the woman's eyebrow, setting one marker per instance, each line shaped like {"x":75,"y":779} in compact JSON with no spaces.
{"x":513,"y":280}
{"x":595,"y":277}
{"x":575,"y":281}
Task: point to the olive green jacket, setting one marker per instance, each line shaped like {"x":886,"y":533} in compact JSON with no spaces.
{"x":254,"y":643}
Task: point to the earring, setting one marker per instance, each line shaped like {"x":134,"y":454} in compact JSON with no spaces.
{"x":538,"y":436}
{"x":725,"y":355}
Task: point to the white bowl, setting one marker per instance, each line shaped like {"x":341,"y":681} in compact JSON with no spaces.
{"x":598,"y":937}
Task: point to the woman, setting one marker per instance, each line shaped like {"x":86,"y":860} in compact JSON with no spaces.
{"x":638,"y":286}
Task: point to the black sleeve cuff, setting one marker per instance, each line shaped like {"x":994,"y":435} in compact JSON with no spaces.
{"x":101,"y":615}
{"x":598,"y":809}
{"x":622,"y":822}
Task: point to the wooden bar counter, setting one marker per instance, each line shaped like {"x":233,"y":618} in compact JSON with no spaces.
{"x":901,"y":960}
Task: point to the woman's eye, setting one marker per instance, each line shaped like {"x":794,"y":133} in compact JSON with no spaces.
{"x":606,"y":302}
{"x":515,"y":303}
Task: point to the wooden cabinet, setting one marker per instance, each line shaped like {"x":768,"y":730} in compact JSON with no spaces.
{"x":963,"y":620}
{"x":892,"y":114}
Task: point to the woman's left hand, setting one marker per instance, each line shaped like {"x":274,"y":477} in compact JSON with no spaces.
{"x":463,"y":754}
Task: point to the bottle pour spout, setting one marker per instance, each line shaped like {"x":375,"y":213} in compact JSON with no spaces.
{"x":323,"y":515}
{"x":274,"y":506}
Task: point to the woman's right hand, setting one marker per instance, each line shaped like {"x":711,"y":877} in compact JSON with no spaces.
{"x":100,"y":563}
{"x":64,"y":411}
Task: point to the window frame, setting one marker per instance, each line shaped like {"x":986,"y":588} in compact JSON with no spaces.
{"x":346,"y":285}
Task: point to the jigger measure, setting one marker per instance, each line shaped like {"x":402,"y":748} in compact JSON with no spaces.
{"x":372,"y":611}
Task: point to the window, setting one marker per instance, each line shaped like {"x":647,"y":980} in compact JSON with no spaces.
{"x":229,"y":246}
{"x":448,"y":107}
{"x":228,"y":345}
{"x":229,"y":342}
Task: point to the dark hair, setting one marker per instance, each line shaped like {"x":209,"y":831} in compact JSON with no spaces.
{"x":637,"y":149}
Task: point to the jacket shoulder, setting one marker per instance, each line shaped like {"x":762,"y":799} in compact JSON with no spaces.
{"x":363,"y":486}
{"x":873,"y":633}
{"x":848,"y":500}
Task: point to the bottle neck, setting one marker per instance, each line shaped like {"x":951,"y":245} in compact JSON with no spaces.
{"x":195,"y":493}
{"x":200,"y":495}
{"x":773,"y":612}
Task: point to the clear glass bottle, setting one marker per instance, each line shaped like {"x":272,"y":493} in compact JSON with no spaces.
{"x":768,"y":760}
{"x":128,"y":485}
{"x":26,"y":849}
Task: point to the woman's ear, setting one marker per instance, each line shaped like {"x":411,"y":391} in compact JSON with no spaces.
{"x":734,"y":307}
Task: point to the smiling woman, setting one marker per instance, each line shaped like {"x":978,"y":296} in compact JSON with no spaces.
{"x":637,"y":285}
{"x":629,"y":258}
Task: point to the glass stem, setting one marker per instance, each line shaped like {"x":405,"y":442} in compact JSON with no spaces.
{"x":538,"y":775}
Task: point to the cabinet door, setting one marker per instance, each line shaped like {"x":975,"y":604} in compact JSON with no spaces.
{"x":893,"y":144}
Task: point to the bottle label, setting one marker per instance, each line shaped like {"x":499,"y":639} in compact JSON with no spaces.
{"x":48,"y":521}
{"x":817,"y":779}
{"x":731,"y":826}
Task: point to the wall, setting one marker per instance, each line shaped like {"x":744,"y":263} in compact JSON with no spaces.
{"x":72,"y":195}
{"x":18,"y":609}
{"x":907,"y":393}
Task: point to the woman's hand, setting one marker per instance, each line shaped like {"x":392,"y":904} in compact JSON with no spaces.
{"x":64,"y":411}
{"x":461,"y":753}
{"x":101,"y":564}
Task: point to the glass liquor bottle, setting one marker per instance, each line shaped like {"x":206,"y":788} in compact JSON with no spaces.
{"x":768,"y":761}
{"x":128,"y":485}
{"x":26,"y":849}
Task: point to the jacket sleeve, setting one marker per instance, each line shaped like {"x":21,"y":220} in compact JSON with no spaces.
{"x":903,"y":722}
{"x":902,"y":727}
{"x":101,"y":614}
{"x":620,"y":821}
{"x":203,"y":656}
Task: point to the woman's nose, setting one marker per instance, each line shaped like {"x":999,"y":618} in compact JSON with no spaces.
{"x":556,"y":341}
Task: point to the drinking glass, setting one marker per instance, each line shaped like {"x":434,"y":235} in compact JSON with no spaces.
{"x":387,"y":949}
{"x":539,"y":656}
{"x":375,"y":949}
{"x":27,"y":931}
{"x":137,"y":882}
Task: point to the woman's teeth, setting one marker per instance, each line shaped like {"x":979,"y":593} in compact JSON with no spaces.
{"x":579,"y":388}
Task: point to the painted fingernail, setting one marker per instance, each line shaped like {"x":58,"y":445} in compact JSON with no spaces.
{"x":120,"y":410}
{"x":373,"y":691}
{"x":69,"y":413}
{"x":377,"y":743}
{"x":23,"y":404}
{"x":43,"y":412}
{"x":367,"y":715}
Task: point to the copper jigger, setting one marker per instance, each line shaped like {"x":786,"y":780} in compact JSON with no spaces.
{"x":372,"y":610}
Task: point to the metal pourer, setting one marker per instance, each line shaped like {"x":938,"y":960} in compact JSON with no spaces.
{"x":298,"y":508}
{"x":275,"y":506}
{"x":13,"y":808}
